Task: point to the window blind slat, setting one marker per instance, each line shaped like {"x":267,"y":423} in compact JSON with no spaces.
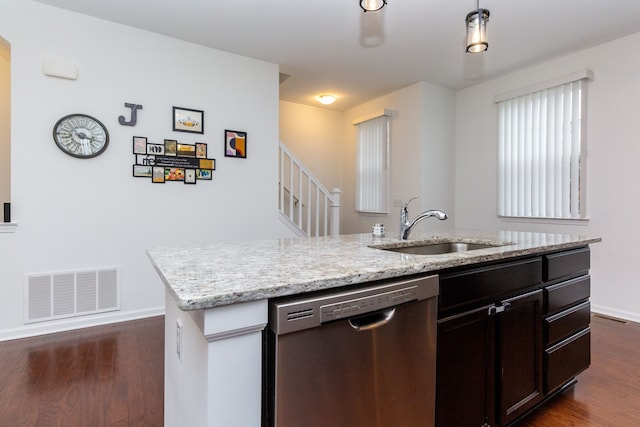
{"x":576,"y":137}
{"x":557,"y":158}
{"x":566,"y":151}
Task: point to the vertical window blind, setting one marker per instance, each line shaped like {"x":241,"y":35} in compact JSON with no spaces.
{"x":541,"y":153}
{"x":372,"y":165}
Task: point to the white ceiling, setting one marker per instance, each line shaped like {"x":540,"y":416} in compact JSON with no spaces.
{"x":331,"y":46}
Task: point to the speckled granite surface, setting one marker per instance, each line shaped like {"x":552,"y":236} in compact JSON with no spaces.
{"x":226,"y":273}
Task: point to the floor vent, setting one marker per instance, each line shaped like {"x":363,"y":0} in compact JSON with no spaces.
{"x":50,"y":296}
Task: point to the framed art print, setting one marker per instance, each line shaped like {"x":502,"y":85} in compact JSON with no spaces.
{"x":186,"y":150}
{"x":155,"y":149}
{"x":139,"y":145}
{"x":187,"y":120}
{"x":235,"y":144}
{"x":189,"y":176}
{"x":201,"y":150}
{"x":157,"y":176}
{"x":170,"y":147}
{"x":142,"y":171}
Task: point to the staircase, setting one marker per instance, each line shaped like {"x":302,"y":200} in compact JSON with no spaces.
{"x":306,"y":206}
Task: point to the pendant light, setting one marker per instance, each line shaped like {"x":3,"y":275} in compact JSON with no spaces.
{"x":372,"y":5}
{"x":477,"y":29}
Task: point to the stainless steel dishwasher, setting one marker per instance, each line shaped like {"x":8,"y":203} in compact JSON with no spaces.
{"x":362,"y":357}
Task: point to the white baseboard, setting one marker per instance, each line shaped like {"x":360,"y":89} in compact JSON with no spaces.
{"x":51,"y":327}
{"x":625,"y":315}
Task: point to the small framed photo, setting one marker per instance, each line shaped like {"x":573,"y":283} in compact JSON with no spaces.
{"x":186,"y":150}
{"x":155,"y":149}
{"x":203,"y":174}
{"x":170,"y":147}
{"x":157,"y":175}
{"x":189,"y":176}
{"x":174,"y":174}
{"x":139,"y":145}
{"x":235,"y":144}
{"x":208,"y":164}
{"x":201,"y":150}
{"x":142,"y":171}
{"x":188,"y":120}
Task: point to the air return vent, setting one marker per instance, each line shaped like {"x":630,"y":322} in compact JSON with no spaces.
{"x":50,"y":296}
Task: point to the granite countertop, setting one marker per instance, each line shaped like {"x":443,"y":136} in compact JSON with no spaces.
{"x":224,"y":273}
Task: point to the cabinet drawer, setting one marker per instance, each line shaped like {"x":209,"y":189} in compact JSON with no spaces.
{"x":567,"y":322}
{"x":565,"y":294}
{"x":566,"y":264}
{"x":480,"y":286}
{"x":567,"y":359}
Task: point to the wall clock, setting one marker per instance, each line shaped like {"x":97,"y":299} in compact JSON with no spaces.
{"x":81,"y":136}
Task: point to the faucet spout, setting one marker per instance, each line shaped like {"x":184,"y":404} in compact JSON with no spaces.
{"x":406,"y":226}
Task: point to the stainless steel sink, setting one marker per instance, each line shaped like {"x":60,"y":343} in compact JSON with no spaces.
{"x":438,"y":248}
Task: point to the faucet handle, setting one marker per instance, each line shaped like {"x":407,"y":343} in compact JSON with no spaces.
{"x":406,"y":203}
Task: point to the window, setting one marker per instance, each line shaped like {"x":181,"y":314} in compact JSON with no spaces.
{"x":541,"y":150}
{"x":372,"y":164}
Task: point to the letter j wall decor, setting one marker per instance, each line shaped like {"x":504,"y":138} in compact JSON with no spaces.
{"x":235,"y":144}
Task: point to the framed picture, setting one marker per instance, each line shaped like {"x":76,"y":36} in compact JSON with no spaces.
{"x":201,"y":150}
{"x":203,"y":174}
{"x":142,"y":171}
{"x":170,"y":147}
{"x":188,"y":120}
{"x":235,"y":144}
{"x":155,"y":149}
{"x":158,"y":175}
{"x":189,"y":176}
{"x":174,"y":174}
{"x":139,"y":145}
{"x":186,"y":150}
{"x":208,"y":164}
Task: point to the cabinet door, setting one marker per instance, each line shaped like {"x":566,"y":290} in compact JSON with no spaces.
{"x":520,"y":343}
{"x":465,"y":380}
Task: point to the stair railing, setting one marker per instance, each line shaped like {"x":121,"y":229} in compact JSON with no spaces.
{"x":305,"y":204}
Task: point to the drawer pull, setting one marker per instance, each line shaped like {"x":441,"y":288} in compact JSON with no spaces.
{"x":497,"y":309}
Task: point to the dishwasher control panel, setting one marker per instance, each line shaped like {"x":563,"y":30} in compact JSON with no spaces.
{"x":309,"y":311}
{"x":368,"y":304}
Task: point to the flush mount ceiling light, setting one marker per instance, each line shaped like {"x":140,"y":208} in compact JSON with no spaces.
{"x":372,"y":5}
{"x":477,"y":29}
{"x":326,"y":99}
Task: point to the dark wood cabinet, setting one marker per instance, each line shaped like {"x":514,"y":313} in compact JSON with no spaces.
{"x":465,"y":374}
{"x":520,"y":356}
{"x":490,"y":341}
{"x":510,"y":335}
{"x":567,"y":317}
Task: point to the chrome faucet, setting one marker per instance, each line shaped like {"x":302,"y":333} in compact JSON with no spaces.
{"x":406,"y":226}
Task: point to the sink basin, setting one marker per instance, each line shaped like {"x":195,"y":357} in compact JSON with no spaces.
{"x":439,"y":248}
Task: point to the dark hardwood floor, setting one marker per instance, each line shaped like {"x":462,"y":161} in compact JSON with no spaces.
{"x":608,"y":393}
{"x":104,"y":376}
{"x":113,"y":376}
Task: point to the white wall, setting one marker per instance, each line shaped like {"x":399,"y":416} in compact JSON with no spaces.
{"x":5,"y":122}
{"x":421,"y":156}
{"x":315,"y":136}
{"x":612,"y":175}
{"x":422,"y":152}
{"x":75,"y":214}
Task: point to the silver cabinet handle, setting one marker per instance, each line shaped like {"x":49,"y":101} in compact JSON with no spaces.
{"x":497,"y":309}
{"x":372,"y":321}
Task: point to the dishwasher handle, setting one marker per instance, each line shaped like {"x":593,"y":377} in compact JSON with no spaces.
{"x":372,"y":321}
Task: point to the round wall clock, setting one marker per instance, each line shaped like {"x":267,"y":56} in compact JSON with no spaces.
{"x":81,"y":136}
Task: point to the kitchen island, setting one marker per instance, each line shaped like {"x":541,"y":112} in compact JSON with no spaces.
{"x":216,"y":303}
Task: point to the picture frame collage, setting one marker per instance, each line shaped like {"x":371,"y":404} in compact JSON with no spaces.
{"x":172,"y":161}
